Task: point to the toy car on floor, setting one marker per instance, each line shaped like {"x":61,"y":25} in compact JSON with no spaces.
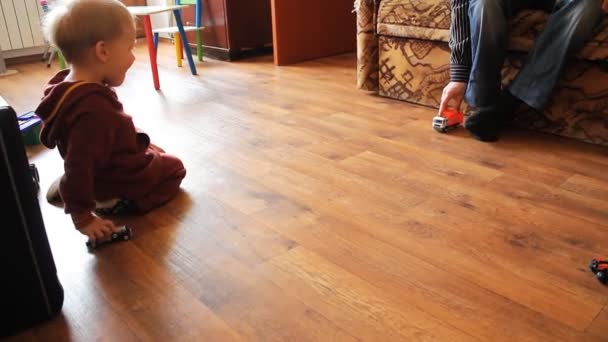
{"x":599,"y":267}
{"x":448,"y":120}
{"x":124,"y":234}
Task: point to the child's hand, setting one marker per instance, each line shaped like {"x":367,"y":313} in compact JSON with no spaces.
{"x":99,"y":230}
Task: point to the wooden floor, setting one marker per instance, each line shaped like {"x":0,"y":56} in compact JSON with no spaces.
{"x":314,"y":211}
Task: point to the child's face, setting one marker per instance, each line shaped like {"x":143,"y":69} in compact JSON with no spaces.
{"x":120,"y":57}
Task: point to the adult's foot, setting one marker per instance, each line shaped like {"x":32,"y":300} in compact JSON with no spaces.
{"x":487,"y":123}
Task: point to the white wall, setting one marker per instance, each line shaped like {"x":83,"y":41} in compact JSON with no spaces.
{"x":161,"y":19}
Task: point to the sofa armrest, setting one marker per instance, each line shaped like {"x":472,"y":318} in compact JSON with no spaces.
{"x":367,"y":44}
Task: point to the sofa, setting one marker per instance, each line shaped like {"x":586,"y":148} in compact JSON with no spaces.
{"x":403,"y":53}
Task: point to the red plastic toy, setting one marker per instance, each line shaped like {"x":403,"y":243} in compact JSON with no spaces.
{"x":448,"y":120}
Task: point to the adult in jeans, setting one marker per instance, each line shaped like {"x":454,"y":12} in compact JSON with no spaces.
{"x":478,"y":39}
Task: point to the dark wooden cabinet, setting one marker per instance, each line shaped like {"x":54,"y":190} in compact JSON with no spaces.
{"x":310,"y":29}
{"x":304,"y":29}
{"x":233,"y":28}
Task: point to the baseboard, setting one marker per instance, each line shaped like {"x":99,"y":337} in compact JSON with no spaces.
{"x":222,"y":54}
{"x":213,"y":52}
{"x":251,"y":52}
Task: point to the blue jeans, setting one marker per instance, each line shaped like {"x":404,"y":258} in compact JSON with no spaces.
{"x":570,"y":25}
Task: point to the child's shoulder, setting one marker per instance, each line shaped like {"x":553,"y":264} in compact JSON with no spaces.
{"x":92,"y":98}
{"x":70,"y":99}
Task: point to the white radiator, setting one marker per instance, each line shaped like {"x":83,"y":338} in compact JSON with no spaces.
{"x":20,"y":29}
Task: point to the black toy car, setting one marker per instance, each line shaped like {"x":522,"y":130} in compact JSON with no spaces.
{"x":599,"y":267}
{"x":124,"y":234}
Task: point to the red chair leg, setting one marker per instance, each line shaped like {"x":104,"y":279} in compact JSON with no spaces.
{"x":151,"y":51}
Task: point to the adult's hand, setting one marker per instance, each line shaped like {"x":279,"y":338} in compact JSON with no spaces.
{"x":453,"y":95}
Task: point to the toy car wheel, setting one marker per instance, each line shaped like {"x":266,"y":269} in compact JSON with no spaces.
{"x":592,"y":265}
{"x":602,"y":276}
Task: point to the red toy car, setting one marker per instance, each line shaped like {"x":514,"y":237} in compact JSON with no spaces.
{"x":448,"y":120}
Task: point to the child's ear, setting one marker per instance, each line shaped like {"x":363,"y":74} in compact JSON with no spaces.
{"x":101,"y":51}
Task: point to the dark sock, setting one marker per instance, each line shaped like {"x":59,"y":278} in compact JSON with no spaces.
{"x":487,"y":123}
{"x":508,"y":104}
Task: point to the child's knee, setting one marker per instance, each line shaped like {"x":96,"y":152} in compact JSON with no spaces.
{"x":175,"y":168}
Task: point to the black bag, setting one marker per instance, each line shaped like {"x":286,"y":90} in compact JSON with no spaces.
{"x":30,"y":291}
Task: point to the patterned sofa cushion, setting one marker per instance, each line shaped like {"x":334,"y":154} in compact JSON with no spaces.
{"x":417,"y":70}
{"x":433,"y":14}
{"x":430,"y":20}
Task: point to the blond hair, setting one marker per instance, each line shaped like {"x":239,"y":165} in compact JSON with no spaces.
{"x":78,"y":25}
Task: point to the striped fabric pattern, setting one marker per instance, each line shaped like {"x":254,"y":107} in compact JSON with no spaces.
{"x":460,"y":42}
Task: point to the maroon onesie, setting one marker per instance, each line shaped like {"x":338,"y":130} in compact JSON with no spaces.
{"x":105,"y":157}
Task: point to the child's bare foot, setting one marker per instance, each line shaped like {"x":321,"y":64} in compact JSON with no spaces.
{"x":118,"y":207}
{"x":53,"y":196}
{"x":113,"y":207}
